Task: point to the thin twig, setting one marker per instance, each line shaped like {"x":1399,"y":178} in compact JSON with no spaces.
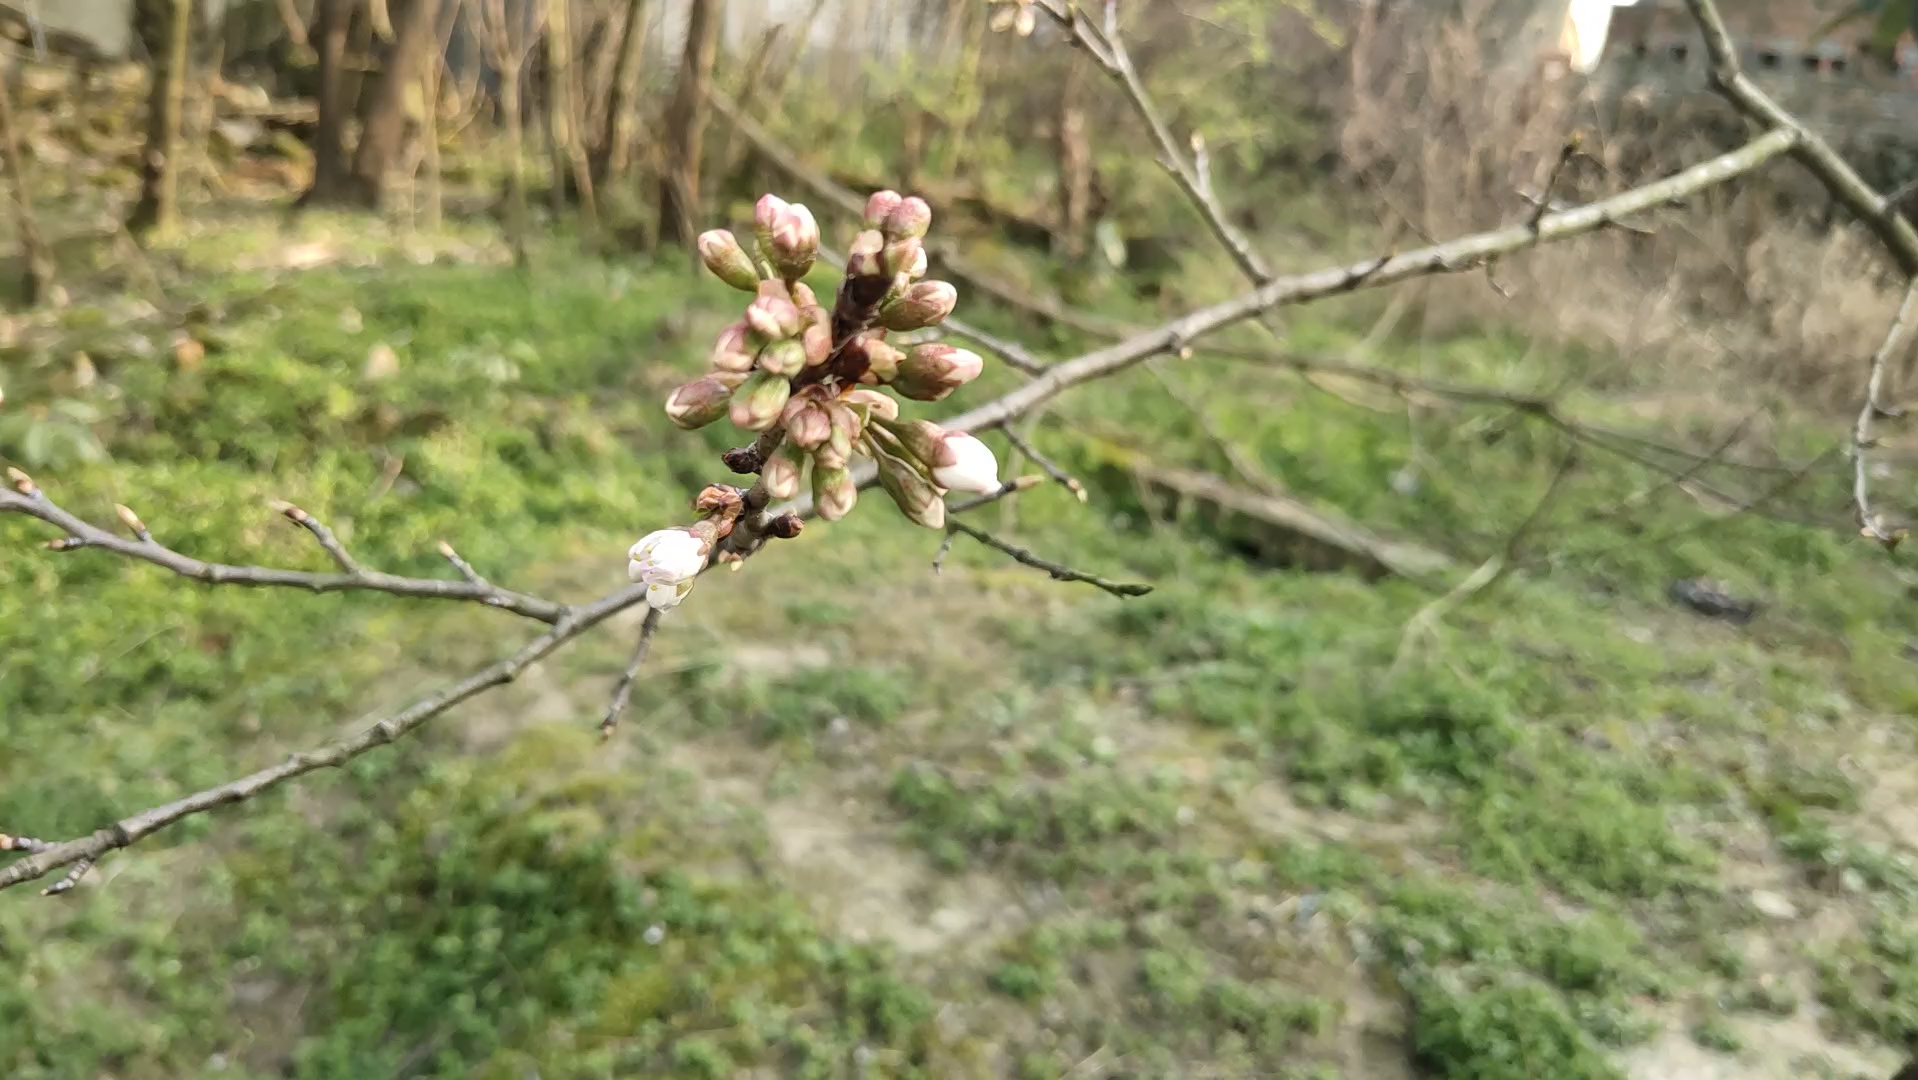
{"x":623,"y":691}
{"x":1424,"y":623}
{"x":1544,"y":203}
{"x":1058,"y":571}
{"x":1047,"y":465}
{"x":30,"y":500}
{"x":386,"y":729}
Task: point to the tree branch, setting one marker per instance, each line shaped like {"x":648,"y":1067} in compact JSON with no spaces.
{"x":28,"y":499}
{"x":1871,"y":522}
{"x":1817,"y":155}
{"x":1046,"y":465}
{"x":1058,"y":571}
{"x":571,"y":624}
{"x":623,"y":691}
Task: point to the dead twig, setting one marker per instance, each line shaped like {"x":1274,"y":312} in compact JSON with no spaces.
{"x":1058,"y":571}
{"x":623,"y":690}
{"x":1047,"y":465}
{"x":28,"y":499}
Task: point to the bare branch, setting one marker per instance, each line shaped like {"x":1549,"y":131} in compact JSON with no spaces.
{"x":30,"y":500}
{"x":1817,"y":155}
{"x":1058,"y":571}
{"x":45,"y":858}
{"x":1046,"y":464}
{"x":1107,"y":48}
{"x":623,"y":691}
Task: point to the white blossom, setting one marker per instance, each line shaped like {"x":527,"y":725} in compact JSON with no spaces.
{"x":965,"y":464}
{"x":668,"y":561}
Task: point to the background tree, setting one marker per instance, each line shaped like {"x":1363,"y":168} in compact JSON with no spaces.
{"x":686,"y":124}
{"x":165,"y":28}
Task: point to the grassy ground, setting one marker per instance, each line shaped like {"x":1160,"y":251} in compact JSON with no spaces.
{"x":866,"y":820}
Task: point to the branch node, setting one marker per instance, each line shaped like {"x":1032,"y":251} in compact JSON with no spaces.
{"x":23,"y":483}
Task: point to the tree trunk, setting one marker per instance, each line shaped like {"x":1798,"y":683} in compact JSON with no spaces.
{"x":39,"y":282}
{"x":165,"y":27}
{"x":1075,"y":173}
{"x":383,"y":120}
{"x":509,"y":103}
{"x":562,"y":123}
{"x":432,"y":83}
{"x":329,"y":144}
{"x":686,"y":125}
{"x":614,"y":154}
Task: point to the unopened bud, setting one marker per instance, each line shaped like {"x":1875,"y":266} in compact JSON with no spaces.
{"x":808,"y":425}
{"x":780,"y":474}
{"x":785,"y":526}
{"x":803,"y":295}
{"x":918,"y":268}
{"x":794,"y":243}
{"x":758,"y":403}
{"x":698,"y":403}
{"x":773,"y":317}
{"x":933,"y":370}
{"x":727,"y":260}
{"x":880,"y":406}
{"x":783,"y":358}
{"x":862,"y":257}
{"x":766,"y":214}
{"x":925,"y":304}
{"x":733,"y":352}
{"x":911,"y":218}
{"x":902,"y":255}
{"x":833,"y":492}
{"x":920,"y":438}
{"x":879,"y":360}
{"x":963,"y":463}
{"x":22,"y":482}
{"x":912,"y":492}
{"x":844,"y":432}
{"x":131,"y":520}
{"x":816,"y":341}
{"x":880,"y":207}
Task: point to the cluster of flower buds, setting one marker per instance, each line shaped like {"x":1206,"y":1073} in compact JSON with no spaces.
{"x":812,"y":381}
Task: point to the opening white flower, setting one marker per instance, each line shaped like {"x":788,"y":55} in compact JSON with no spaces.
{"x":668,"y":562}
{"x":965,"y":464}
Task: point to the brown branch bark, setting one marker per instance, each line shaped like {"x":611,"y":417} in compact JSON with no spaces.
{"x":329,"y":142}
{"x":614,"y":154}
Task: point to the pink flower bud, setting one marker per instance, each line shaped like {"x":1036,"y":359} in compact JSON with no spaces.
{"x":880,"y":406}
{"x":932,"y":371}
{"x":918,"y":268}
{"x":794,"y":242}
{"x":833,"y":491}
{"x":758,"y":403}
{"x":780,"y":474}
{"x":784,"y":358}
{"x":862,"y":258}
{"x":766,"y":212}
{"x":911,"y":491}
{"x":808,"y":425}
{"x":803,"y":295}
{"x":698,"y":403}
{"x":816,"y":343}
{"x":925,"y":304}
{"x":876,"y":361}
{"x":773,"y":317}
{"x":902,"y":255}
{"x":963,"y":463}
{"x":732,"y":352}
{"x":1003,"y":17}
{"x":911,"y":218}
{"x":727,"y":260}
{"x":880,"y":207}
{"x":845,"y":432}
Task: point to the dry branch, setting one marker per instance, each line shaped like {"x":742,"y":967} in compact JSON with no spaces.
{"x":29,"y":500}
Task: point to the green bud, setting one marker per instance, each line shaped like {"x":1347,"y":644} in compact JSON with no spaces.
{"x":727,"y":260}
{"x":785,"y":357}
{"x":698,"y":403}
{"x":924,"y":304}
{"x":759,"y":402}
{"x":833,"y":491}
{"x":780,"y":473}
{"x":910,"y":490}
